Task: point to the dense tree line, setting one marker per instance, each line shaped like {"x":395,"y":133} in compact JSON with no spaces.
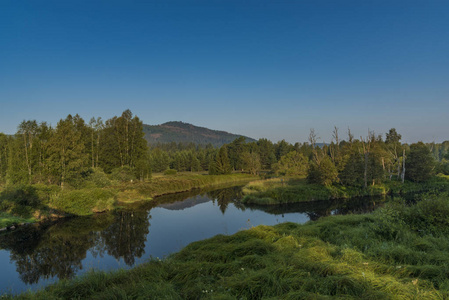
{"x":73,"y":150}
{"x":69,"y":152}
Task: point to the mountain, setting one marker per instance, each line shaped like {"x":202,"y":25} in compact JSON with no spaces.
{"x":180,"y":132}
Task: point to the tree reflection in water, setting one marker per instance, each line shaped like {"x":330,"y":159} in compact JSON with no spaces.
{"x":44,"y":252}
{"x":127,"y":235}
{"x":225,"y":196}
{"x":58,"y":250}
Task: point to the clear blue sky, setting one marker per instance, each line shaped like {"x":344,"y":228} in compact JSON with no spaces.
{"x":260,"y":68}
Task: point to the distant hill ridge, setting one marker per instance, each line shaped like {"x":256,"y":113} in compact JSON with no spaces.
{"x":180,"y":132}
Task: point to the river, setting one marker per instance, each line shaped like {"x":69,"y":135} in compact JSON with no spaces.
{"x":36,"y":255}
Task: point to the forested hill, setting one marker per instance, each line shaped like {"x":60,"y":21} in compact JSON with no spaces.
{"x":186,"y":133}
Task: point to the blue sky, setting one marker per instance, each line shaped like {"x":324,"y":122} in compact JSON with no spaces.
{"x":260,"y":68}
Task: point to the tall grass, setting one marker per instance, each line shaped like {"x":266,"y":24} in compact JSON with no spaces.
{"x":98,"y":194}
{"x":174,"y":184}
{"x":7,"y":220}
{"x":398,"y":252}
{"x":84,"y":201}
{"x":293,"y":190}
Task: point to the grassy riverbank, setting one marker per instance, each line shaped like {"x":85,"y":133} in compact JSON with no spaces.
{"x":292,"y":190}
{"x":7,"y":220}
{"x":28,"y":203}
{"x":397,"y":252}
{"x":162,"y":185}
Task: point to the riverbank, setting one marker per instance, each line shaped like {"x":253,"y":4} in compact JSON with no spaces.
{"x":397,"y":252}
{"x":293,"y":190}
{"x":31,"y":203}
{"x":163,"y":185}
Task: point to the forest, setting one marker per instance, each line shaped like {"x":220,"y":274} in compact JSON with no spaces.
{"x":80,"y":168}
{"x":74,"y":150}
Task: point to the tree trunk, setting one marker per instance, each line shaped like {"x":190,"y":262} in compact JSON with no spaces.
{"x":403,"y":166}
{"x":366,"y":170}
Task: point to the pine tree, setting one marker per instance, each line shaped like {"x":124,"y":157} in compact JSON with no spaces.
{"x":221,"y":163}
{"x":419,"y":163}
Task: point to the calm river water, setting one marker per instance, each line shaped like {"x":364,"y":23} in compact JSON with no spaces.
{"x":36,"y":255}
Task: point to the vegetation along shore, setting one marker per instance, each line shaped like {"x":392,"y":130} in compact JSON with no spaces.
{"x":79,"y":168}
{"x":397,"y":252}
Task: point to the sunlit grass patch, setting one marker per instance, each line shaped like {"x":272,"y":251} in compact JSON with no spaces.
{"x":7,"y":220}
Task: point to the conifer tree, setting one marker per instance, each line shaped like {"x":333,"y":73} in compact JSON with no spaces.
{"x":419,"y":163}
{"x":221,"y":163}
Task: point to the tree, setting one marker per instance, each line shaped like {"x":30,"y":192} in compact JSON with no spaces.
{"x":352,"y":173}
{"x":251,"y":162}
{"x":394,"y":148}
{"x":28,"y":131}
{"x":221,"y":163}
{"x":5,"y":142}
{"x":235,"y":150}
{"x":266,"y":152}
{"x":420,"y":163}
{"x":281,"y":148}
{"x":67,"y":151}
{"x":293,"y":163}
{"x":123,"y":142}
{"x":324,"y":173}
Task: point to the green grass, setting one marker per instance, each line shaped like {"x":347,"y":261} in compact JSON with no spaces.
{"x":42,"y":201}
{"x":7,"y":220}
{"x":84,"y":201}
{"x":161,"y":185}
{"x":397,"y":252}
{"x":293,"y":190}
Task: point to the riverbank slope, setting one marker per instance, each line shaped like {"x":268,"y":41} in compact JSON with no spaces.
{"x":293,"y":190}
{"x":397,"y":252}
{"x":31,"y":203}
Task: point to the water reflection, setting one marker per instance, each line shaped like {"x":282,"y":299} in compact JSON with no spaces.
{"x":319,"y":209}
{"x":126,"y":236}
{"x":47,"y":251}
{"x":59,"y":250}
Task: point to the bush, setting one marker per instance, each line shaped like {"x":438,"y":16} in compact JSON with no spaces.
{"x":84,"y":201}
{"x":98,"y":179}
{"x":170,"y":172}
{"x":24,"y":195}
{"x":123,"y":174}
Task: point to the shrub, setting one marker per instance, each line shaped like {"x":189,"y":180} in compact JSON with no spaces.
{"x":98,"y":179}
{"x":84,"y":201}
{"x":124,"y":174}
{"x":170,"y":172}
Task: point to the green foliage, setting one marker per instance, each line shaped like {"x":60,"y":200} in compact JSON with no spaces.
{"x":170,"y":172}
{"x":67,"y":155}
{"x":24,"y":200}
{"x":7,"y":220}
{"x":293,"y":190}
{"x":266,"y":153}
{"x":352,"y":173}
{"x":123,"y":142}
{"x":324,"y":172}
{"x":251,"y":162}
{"x":442,"y":167}
{"x":174,"y":184}
{"x":221,"y":164}
{"x":375,"y":256}
{"x":97,"y":178}
{"x":291,"y":164}
{"x":24,"y":195}
{"x":419,"y":163}
{"x":123,"y":174}
{"x":84,"y":201}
